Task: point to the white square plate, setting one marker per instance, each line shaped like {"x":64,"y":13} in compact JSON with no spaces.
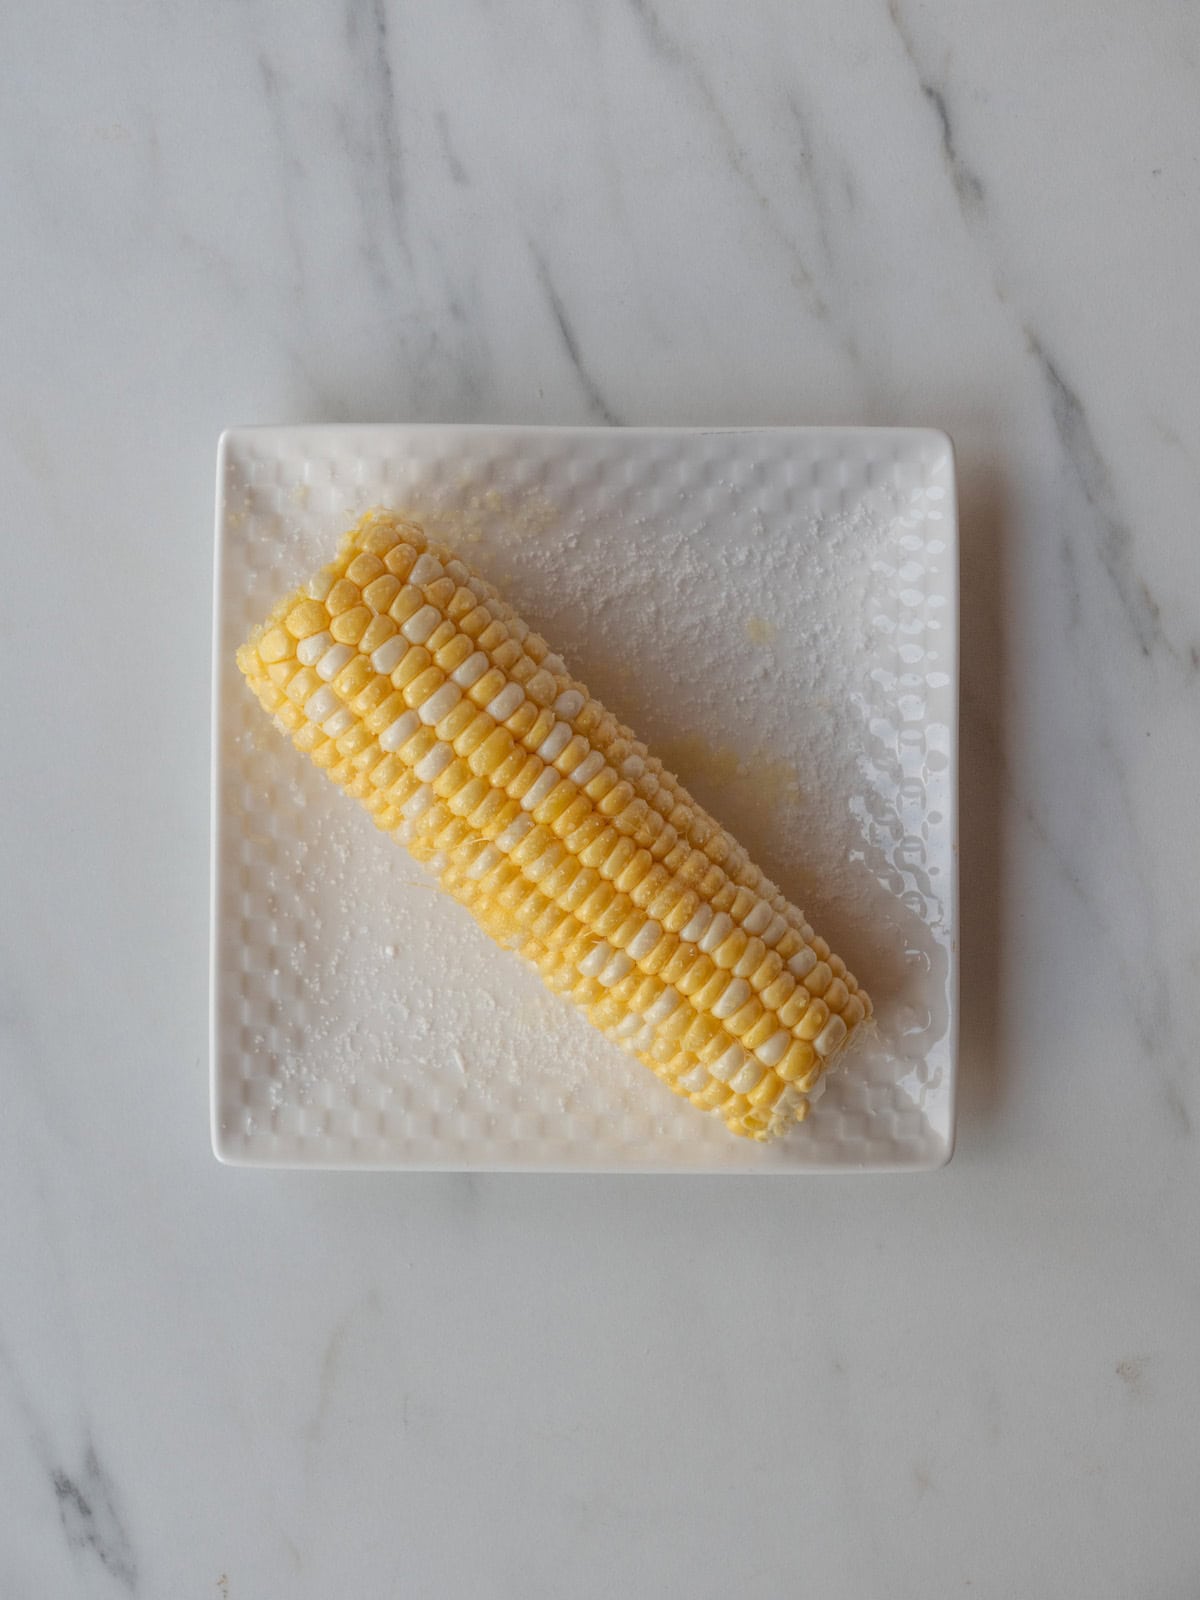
{"x":774,"y":611}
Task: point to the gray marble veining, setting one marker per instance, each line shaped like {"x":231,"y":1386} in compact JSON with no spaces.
{"x":227,"y":1384}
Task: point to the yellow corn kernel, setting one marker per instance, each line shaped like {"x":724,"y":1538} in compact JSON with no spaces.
{"x":798,"y":1061}
{"x":306,"y":617}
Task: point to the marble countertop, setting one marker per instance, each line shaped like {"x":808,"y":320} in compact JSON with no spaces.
{"x":222,"y":1384}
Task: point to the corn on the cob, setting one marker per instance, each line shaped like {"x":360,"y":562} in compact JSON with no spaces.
{"x":407,"y":679}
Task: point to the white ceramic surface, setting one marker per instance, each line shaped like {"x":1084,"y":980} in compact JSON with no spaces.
{"x":220,"y":1382}
{"x":778,"y":608}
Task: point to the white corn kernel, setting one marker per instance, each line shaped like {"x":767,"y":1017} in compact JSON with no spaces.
{"x":644,"y":940}
{"x":555,"y":742}
{"x":431,"y":767}
{"x":830,"y":1036}
{"x":390,"y":654}
{"x":698,"y":925}
{"x":802,"y":963}
{"x":542,"y":785}
{"x":439,"y":704}
{"x":320,"y":705}
{"x":772,"y":1052}
{"x":309,"y":651}
{"x":667,"y":1003}
{"x":587,"y":768}
{"x":502,"y":705}
{"x":728,"y":1065}
{"x":732,"y":998}
{"x":719,"y":930}
{"x":748,"y":1078}
{"x":420,"y":625}
{"x":426,"y":569}
{"x":332,"y":662}
{"x":515,"y":832}
{"x":594,"y":962}
{"x":399,"y":732}
{"x":620,"y":966}
{"x":483,"y":863}
{"x":472,"y":669}
{"x":338,"y":722}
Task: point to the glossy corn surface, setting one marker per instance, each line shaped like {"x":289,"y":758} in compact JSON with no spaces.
{"x":407,"y":679}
